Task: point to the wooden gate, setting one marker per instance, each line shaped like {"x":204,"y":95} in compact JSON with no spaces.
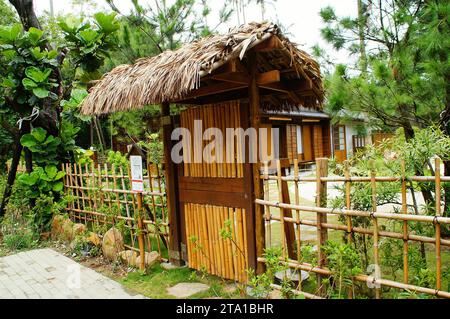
{"x":215,"y":197}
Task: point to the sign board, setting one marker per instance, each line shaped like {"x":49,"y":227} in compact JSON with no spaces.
{"x":137,"y":175}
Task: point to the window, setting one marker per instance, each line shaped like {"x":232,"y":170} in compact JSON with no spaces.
{"x":339,"y":138}
{"x":359,"y":142}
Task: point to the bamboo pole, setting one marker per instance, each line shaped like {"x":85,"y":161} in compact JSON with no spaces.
{"x":364,"y":278}
{"x":141,"y":231}
{"x":375,"y":231}
{"x":437,"y":170}
{"x":321,"y":198}
{"x":280,"y":198}
{"x":348,"y":203}
{"x":356,"y":213}
{"x":405,"y":224}
{"x":267,"y":208}
{"x":298,"y":227}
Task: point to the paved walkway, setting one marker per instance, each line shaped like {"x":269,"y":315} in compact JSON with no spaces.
{"x":45,"y":273}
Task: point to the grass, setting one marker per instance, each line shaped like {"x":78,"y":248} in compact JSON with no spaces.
{"x":155,"y":282}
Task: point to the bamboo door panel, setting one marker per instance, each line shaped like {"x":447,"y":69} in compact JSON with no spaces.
{"x":217,"y":240}
{"x":215,"y":198}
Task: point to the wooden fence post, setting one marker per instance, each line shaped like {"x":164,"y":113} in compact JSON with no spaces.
{"x":321,"y":201}
{"x":171,"y":174}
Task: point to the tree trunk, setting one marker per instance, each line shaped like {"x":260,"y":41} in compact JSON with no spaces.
{"x":362,"y":40}
{"x":11,"y":175}
{"x":26,"y":13}
{"x":426,"y":193}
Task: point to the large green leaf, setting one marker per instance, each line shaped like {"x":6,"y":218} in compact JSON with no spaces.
{"x":41,"y":93}
{"x":37,"y":75}
{"x":29,"y":179}
{"x":58,"y":187}
{"x":28,"y":141}
{"x":37,"y":54}
{"x":8,"y":83}
{"x":88,"y":36}
{"x":39,"y":134}
{"x":60,"y":175}
{"x":29,"y":84}
{"x":51,"y":171}
{"x":107,"y":22}
{"x":8,"y":34}
{"x":35,"y":35}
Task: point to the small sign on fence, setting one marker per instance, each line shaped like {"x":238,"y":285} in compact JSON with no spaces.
{"x":137,"y":176}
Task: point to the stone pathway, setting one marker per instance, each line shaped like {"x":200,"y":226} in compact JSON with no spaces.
{"x":186,"y":289}
{"x":45,"y":273}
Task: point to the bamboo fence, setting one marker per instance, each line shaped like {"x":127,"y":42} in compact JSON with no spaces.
{"x":348,"y":215}
{"x":100,"y":196}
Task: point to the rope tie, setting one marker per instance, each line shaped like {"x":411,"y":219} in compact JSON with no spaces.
{"x":31,"y":118}
{"x":435,"y":220}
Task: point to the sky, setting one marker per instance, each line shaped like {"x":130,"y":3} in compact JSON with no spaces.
{"x":300,"y":16}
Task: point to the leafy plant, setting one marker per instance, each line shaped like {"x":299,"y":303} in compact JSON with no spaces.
{"x":44,"y":147}
{"x":262,"y":284}
{"x":46,"y":180}
{"x":344,"y":262}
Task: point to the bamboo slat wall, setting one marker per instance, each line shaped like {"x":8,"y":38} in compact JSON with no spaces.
{"x":100,"y":196}
{"x":374,"y":230}
{"x":209,"y":249}
{"x":221,"y":116}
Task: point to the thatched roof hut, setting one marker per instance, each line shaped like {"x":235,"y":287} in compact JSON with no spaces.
{"x":211,"y":66}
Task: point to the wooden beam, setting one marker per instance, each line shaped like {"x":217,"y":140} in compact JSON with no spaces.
{"x":212,"y":89}
{"x":288,"y":86}
{"x":256,"y":221}
{"x":273,"y":43}
{"x":171,"y":176}
{"x":236,"y":77}
{"x":243,"y":77}
{"x":268,"y":77}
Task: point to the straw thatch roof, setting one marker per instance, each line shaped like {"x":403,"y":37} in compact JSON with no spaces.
{"x":175,"y":75}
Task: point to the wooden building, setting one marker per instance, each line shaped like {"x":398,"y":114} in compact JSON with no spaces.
{"x":251,"y":77}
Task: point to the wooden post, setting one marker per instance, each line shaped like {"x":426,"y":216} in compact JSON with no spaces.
{"x":321,"y":201}
{"x":171,"y":175}
{"x":140,"y":231}
{"x":254,"y":100}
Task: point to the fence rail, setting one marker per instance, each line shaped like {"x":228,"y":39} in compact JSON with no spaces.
{"x":287,"y":203}
{"x":101,"y":197}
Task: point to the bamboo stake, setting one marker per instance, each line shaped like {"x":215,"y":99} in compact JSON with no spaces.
{"x":375,"y":231}
{"x":206,"y":237}
{"x":141,"y":233}
{"x":221,"y":243}
{"x":280,"y":198}
{"x":348,"y":204}
{"x":244,"y":218}
{"x":437,"y":225}
{"x":405,"y":225}
{"x":241,"y":242}
{"x":267,"y":208}
{"x":298,"y":227}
